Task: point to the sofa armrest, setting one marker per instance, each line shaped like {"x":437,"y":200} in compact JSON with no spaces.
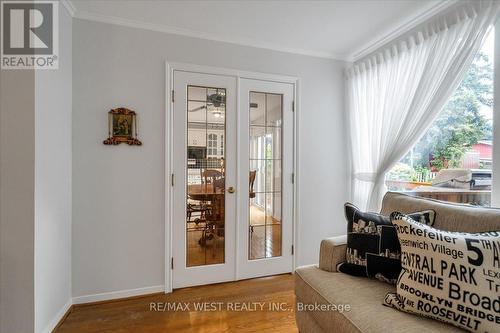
{"x":332,"y":252}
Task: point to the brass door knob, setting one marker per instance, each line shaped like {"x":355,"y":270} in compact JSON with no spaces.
{"x":231,"y":189}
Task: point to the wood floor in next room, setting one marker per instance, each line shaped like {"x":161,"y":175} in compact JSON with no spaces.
{"x":264,"y":235}
{"x":134,"y":315}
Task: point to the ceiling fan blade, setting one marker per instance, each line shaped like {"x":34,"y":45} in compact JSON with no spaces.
{"x":216,"y":99}
{"x":197,"y":109}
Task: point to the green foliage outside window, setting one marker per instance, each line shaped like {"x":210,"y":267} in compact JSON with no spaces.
{"x":460,"y":124}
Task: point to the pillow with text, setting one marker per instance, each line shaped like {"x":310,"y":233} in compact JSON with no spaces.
{"x":449,"y":276}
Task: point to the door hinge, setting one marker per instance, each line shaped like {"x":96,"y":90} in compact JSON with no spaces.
{"x":172,"y":263}
{"x":292,"y":250}
{"x":173,"y":96}
{"x":293,"y":178}
{"x":172,"y":180}
{"x":293,"y":106}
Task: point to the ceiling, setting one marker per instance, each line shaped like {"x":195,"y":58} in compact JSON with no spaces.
{"x":339,"y":29}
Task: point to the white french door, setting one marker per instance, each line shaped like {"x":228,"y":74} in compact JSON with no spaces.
{"x":232,"y":167}
{"x":265,"y":136}
{"x":204,"y":164}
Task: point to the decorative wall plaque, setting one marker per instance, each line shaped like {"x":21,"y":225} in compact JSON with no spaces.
{"x":122,"y":127}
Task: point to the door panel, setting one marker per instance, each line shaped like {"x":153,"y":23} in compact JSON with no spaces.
{"x":204,"y":163}
{"x":265,"y":115}
{"x":223,"y":232}
{"x":205,"y":202}
{"x":266,"y":196}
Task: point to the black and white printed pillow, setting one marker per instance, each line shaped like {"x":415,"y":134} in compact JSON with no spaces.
{"x":449,"y":276}
{"x":372,"y":244}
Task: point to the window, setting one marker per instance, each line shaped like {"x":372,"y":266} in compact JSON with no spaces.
{"x":212,"y":145}
{"x":453,"y":159}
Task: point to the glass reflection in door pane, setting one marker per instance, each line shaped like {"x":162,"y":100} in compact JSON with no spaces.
{"x":265,"y":147}
{"x":205,"y":202}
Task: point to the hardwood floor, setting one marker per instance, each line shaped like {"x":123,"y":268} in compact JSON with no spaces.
{"x":264,"y":236}
{"x":134,"y":315}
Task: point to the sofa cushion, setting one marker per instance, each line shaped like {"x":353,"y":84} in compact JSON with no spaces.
{"x":306,"y":324}
{"x":453,"y":270}
{"x":372,"y":244}
{"x":449,"y":216}
{"x":365,"y":297}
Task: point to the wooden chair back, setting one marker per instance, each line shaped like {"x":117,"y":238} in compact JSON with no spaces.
{"x":213,"y":177}
{"x":252,"y":175}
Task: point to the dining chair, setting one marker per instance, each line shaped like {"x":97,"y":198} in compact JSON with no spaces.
{"x":214,"y":215}
{"x":252,"y":175}
{"x":213,"y":177}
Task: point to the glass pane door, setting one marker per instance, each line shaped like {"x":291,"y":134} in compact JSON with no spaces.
{"x":205,"y":201}
{"x":204,"y":166}
{"x":232,"y":198}
{"x":265,"y":176}
{"x":264,"y":228}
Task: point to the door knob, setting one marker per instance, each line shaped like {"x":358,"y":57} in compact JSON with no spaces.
{"x":231,"y":189}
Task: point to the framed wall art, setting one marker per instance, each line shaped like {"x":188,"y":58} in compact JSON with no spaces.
{"x":122,"y":127}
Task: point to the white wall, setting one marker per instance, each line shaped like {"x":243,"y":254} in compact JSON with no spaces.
{"x":53,"y":185}
{"x":118,"y":191}
{"x":17,"y":181}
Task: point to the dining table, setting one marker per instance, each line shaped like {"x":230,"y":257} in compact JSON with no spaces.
{"x":204,"y":192}
{"x":212,"y":197}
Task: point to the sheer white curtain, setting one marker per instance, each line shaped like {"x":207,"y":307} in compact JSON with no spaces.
{"x":393,"y":96}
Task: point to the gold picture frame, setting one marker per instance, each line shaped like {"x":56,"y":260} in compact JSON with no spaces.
{"x":122,"y":127}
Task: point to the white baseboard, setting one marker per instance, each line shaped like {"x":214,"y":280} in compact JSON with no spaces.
{"x":60,"y":314}
{"x":99,"y":297}
{"x":117,"y":294}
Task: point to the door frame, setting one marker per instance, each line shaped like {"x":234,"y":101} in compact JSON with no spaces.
{"x":170,"y":67}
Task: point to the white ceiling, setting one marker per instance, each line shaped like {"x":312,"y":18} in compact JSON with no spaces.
{"x":340,"y":29}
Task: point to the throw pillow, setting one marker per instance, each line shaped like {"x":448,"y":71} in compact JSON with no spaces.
{"x":372,"y":244}
{"x":449,"y":276}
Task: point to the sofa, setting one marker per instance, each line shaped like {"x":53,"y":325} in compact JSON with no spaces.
{"x":322,"y":286}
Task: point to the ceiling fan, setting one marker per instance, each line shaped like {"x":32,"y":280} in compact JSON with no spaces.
{"x":216,"y":100}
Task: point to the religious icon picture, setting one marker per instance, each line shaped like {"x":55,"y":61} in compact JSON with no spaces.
{"x":122,"y":127}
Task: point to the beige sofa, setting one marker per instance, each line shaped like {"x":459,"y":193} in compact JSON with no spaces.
{"x":323,"y":285}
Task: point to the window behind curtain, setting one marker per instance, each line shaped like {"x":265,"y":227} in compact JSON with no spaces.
{"x":453,"y":159}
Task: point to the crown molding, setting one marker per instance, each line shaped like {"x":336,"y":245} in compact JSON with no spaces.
{"x":403,"y":28}
{"x":85,"y":15}
{"x":70,"y":7}
{"x":368,"y":48}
